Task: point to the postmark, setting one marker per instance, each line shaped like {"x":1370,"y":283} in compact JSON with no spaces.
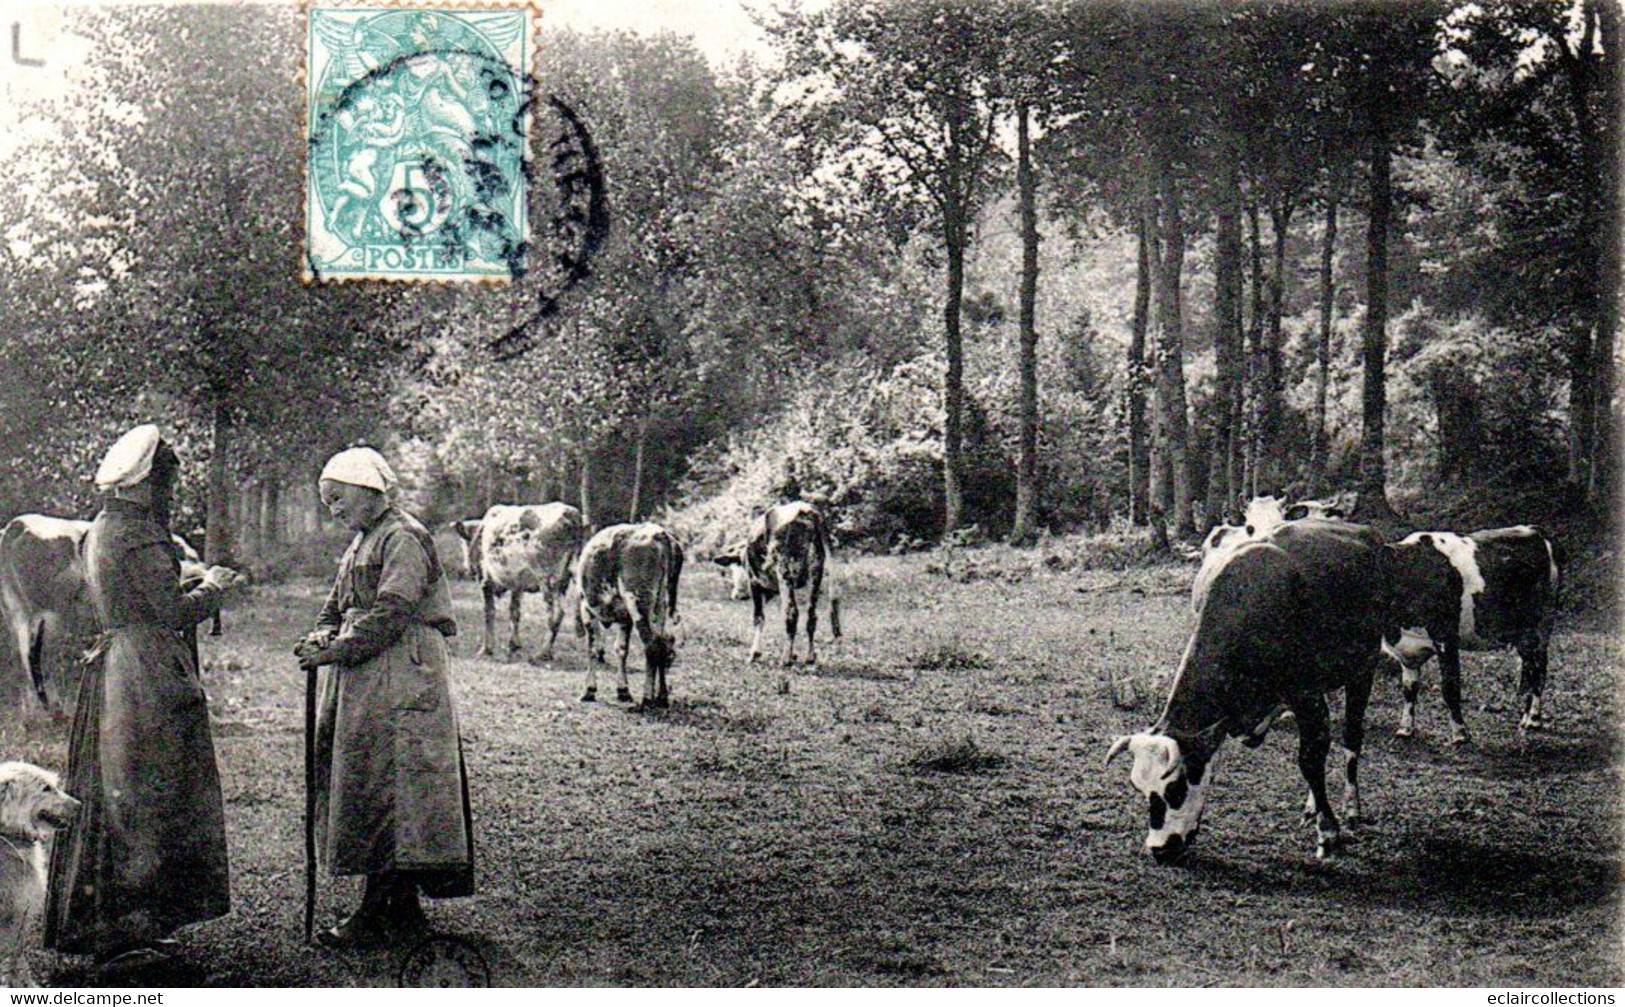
{"x":443,"y":961}
{"x":417,"y":159}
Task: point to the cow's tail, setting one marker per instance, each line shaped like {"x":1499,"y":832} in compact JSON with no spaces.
{"x":1556,"y":560}
{"x":674,"y":571}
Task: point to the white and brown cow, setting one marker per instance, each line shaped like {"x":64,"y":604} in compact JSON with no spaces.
{"x":43,"y":595}
{"x":787,"y":555}
{"x":519,"y":550}
{"x":1490,"y":590}
{"x":627,"y":578}
{"x":1288,"y":617}
{"x":1261,"y":516}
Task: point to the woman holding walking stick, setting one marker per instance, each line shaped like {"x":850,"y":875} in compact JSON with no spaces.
{"x":391,"y":794}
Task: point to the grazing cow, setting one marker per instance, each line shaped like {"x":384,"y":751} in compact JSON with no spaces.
{"x":628,"y":577}
{"x":1328,"y":510}
{"x":44,"y":601}
{"x":1289,"y":617}
{"x":1486,"y":591}
{"x":523,"y":550}
{"x":1262,"y":516}
{"x":788,"y":553}
{"x":469,"y":532}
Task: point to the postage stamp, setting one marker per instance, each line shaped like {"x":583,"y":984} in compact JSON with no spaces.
{"x":419,"y":124}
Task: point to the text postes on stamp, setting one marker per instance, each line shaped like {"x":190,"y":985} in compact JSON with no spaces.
{"x":417,"y":157}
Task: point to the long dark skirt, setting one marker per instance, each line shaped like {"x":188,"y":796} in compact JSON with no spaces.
{"x":147,"y":853}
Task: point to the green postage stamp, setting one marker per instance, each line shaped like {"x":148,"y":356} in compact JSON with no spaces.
{"x":418,"y":145}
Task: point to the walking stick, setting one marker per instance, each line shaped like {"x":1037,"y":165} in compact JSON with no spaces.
{"x":310,"y":803}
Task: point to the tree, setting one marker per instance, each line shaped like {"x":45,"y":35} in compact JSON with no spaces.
{"x":1536,"y":117}
{"x":184,"y":281}
{"x":903,"y":99}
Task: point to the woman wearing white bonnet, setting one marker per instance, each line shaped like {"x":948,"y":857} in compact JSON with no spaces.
{"x":391,"y":791}
{"x":147,"y":853}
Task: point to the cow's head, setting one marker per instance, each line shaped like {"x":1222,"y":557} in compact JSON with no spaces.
{"x":1173,"y":782}
{"x":736,"y":571}
{"x":1325,"y":509}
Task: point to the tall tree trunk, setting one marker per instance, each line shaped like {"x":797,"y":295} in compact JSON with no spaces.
{"x":1373,"y":506}
{"x":1027,"y":463}
{"x":953,"y":385}
{"x":1604,"y":468}
{"x":637,"y":468}
{"x":586,"y":488}
{"x":218,"y":540}
{"x":1223,"y":468}
{"x":1319,"y":442}
{"x":270,"y":507}
{"x":1273,"y":409}
{"x":245,"y":514}
{"x":1139,"y":447}
{"x":1170,"y":353}
{"x":1254,"y":368}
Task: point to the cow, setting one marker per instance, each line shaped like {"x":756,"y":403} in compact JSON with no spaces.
{"x":627,"y":578}
{"x":43,"y":596}
{"x":468,"y":531}
{"x":1261,"y":516}
{"x":1490,"y":590}
{"x":1289,"y":617}
{"x":787,"y":554}
{"x":519,"y":550}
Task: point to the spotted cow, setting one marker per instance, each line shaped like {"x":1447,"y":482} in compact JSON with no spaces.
{"x":468,"y":533}
{"x":787,"y":555}
{"x":1490,"y":590}
{"x":519,"y":550}
{"x":44,"y":598}
{"x":627,"y":578}
{"x":1288,"y":617}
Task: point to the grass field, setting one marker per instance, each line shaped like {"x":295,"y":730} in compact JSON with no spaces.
{"x":929,"y":806}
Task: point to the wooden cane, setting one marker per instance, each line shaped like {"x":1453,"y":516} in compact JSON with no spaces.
{"x":310,"y":803}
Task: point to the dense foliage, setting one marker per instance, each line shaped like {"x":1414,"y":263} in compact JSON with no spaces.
{"x":1117,"y":254}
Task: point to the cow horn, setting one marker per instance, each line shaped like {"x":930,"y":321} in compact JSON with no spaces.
{"x":1117,"y":746}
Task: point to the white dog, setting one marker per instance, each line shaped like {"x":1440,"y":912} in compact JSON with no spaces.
{"x":32,"y":808}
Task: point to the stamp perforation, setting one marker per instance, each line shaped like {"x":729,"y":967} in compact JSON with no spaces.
{"x":527,"y":71}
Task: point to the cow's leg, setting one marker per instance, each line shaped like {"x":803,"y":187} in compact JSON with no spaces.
{"x":790,"y":607}
{"x":488,"y":646}
{"x":1314,"y":744}
{"x":756,"y":601}
{"x":665,"y":663}
{"x":514,"y":604}
{"x":835,"y":618}
{"x":555,"y":619}
{"x":1356,"y":695}
{"x":591,"y":626}
{"x":1532,"y":650}
{"x":812,"y":620}
{"x":623,"y":692}
{"x":1411,"y":684}
{"x":1450,"y":688}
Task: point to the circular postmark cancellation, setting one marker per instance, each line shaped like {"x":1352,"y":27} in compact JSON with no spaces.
{"x":417,"y":161}
{"x":444,"y":961}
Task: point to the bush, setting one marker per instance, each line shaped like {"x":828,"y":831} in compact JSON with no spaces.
{"x":864,"y":443}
